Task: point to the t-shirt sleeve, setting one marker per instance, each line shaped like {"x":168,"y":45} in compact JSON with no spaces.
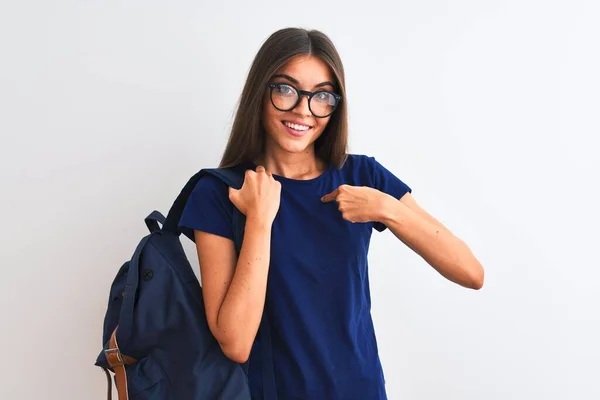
{"x":386,"y":182}
{"x":208,"y":208}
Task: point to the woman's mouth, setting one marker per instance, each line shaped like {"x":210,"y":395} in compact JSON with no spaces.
{"x":296,"y":129}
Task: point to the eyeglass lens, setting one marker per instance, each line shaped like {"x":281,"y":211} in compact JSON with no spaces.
{"x":285,"y":97}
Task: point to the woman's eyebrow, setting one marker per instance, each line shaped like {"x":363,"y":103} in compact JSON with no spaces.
{"x":295,"y":81}
{"x":285,"y":76}
{"x":326,"y":83}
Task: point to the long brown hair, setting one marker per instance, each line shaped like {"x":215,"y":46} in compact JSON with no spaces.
{"x":247,"y":139}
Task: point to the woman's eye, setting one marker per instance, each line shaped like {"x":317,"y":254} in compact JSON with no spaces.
{"x":284,"y":89}
{"x":323,"y":96}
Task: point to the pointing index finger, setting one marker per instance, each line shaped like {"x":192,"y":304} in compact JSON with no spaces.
{"x":330,"y":196}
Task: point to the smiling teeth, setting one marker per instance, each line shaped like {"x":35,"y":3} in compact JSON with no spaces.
{"x":297,"y":127}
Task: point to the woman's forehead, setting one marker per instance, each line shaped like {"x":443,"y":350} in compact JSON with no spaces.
{"x":308,"y":71}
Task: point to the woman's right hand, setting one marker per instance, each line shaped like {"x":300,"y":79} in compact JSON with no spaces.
{"x":259,"y":197}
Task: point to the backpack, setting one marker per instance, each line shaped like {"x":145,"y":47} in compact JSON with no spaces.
{"x":156,"y":339}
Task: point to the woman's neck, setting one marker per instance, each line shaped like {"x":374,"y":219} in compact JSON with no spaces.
{"x":300,"y":166}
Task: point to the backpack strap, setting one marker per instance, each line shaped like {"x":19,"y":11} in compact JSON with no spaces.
{"x":117,"y":361}
{"x":230,"y":176}
{"x":233,"y":178}
{"x":268,"y":373}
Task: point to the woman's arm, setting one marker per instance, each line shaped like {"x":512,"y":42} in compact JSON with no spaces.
{"x":429,"y":238}
{"x":234,"y":289}
{"x":421,"y":232}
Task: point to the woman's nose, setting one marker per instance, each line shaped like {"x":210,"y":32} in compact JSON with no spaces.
{"x":302,"y":107}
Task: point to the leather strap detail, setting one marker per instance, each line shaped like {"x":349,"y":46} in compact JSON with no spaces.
{"x":117,"y":362}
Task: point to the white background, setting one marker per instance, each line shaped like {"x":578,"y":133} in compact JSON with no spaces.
{"x":487,"y":109}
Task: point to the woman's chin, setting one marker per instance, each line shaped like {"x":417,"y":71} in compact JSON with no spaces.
{"x":293,"y":146}
{"x":296,"y":148}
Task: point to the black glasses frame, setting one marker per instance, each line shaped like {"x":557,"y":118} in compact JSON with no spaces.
{"x":310,"y":95}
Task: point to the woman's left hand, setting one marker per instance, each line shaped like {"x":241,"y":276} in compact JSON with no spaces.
{"x":358,"y":203}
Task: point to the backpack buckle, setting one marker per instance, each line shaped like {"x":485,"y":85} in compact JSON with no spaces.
{"x":114,"y":357}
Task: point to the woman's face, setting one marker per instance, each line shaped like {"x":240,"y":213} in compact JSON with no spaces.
{"x":296,"y":130}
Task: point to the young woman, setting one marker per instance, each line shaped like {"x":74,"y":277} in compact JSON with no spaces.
{"x":310,"y":209}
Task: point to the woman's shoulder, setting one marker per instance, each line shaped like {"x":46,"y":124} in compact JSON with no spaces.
{"x":208,"y":207}
{"x":210,"y":184}
{"x":356,"y":162}
{"x":357,"y":159}
{"x":374,"y":173}
{"x":210,"y":192}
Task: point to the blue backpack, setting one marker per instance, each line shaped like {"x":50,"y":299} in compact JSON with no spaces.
{"x":156,"y":338}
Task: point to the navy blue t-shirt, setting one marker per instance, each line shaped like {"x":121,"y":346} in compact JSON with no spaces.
{"x":318,"y":296}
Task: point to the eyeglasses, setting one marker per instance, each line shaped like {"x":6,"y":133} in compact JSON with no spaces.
{"x":286,"y":97}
